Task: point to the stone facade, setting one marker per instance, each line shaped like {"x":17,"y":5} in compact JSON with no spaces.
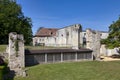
{"x":73,"y":36}
{"x":45,"y":36}
{"x":104,"y":34}
{"x":16,"y":54}
{"x":39,"y":40}
{"x":69,"y":36}
{"x":108,"y":52}
{"x":65,"y":37}
{"x":103,"y":50}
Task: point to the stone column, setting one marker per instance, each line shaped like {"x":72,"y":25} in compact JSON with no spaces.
{"x":16,"y":54}
{"x":97,"y":45}
{"x":93,"y":42}
{"x":76,"y":29}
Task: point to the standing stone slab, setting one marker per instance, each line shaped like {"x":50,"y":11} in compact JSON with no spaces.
{"x":93,"y":42}
{"x":16,"y":54}
{"x":103,"y":50}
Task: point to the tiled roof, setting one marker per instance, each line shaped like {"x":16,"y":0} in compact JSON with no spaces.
{"x":46,"y":32}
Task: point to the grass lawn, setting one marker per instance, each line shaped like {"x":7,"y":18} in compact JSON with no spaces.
{"x":3,"y":71}
{"x":91,"y":70}
{"x":3,"y":48}
{"x":43,"y":47}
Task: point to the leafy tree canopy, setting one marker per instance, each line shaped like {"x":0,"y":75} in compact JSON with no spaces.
{"x":13,"y":20}
{"x":113,"y":39}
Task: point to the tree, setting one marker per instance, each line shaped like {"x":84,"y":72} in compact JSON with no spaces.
{"x":13,"y":20}
{"x":113,"y":39}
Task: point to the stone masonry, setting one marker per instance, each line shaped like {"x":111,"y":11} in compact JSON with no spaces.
{"x":16,"y":54}
{"x":93,"y":42}
{"x":69,"y":35}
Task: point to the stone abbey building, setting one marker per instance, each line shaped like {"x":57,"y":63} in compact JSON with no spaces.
{"x":69,"y":36}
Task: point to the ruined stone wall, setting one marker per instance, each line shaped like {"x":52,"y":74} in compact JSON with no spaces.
{"x":93,"y":42}
{"x":108,"y":52}
{"x":103,"y":50}
{"x":61,"y":37}
{"x":50,"y":41}
{"x":69,"y":36}
{"x":16,"y":54}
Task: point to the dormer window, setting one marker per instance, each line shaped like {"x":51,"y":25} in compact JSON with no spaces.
{"x":51,"y":33}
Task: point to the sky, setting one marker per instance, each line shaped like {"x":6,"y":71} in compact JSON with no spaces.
{"x":94,"y":14}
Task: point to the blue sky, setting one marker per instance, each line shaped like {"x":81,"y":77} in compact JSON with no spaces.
{"x":94,"y":14}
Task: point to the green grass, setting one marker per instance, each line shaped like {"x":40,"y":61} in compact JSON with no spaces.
{"x":91,"y":70}
{"x":43,"y":47}
{"x":3,"y":48}
{"x":3,"y":71}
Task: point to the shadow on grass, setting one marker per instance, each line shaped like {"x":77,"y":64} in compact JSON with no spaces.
{"x":5,"y":73}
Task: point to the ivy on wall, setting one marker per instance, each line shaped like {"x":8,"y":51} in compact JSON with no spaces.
{"x":16,"y":44}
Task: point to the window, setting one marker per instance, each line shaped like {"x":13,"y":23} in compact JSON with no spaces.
{"x":67,"y":33}
{"x":84,"y":34}
{"x":51,"y":33}
{"x":40,"y":39}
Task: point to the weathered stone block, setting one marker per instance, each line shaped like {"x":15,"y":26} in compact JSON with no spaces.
{"x":93,"y":42}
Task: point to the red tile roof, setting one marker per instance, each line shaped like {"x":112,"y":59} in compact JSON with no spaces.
{"x":46,"y":32}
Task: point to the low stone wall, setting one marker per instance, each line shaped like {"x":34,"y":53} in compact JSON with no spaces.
{"x":107,"y":52}
{"x":110,"y":52}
